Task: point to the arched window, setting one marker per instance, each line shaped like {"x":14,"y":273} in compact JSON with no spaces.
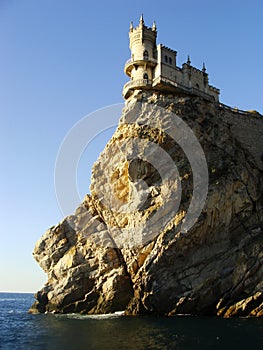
{"x":197,"y":85}
{"x":170,"y":60}
{"x":166,"y":58}
{"x":145,"y":55}
{"x":145,"y":76}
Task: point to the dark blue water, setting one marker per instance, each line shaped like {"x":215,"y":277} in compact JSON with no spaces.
{"x":20,"y":330}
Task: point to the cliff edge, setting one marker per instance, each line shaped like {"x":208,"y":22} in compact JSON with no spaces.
{"x":174,"y":221}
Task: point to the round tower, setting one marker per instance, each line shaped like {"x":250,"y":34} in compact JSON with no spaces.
{"x":143,"y":55}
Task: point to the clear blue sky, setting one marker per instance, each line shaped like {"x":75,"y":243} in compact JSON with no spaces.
{"x":62,"y":59}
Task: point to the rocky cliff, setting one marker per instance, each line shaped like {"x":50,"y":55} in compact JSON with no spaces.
{"x":174,"y":221}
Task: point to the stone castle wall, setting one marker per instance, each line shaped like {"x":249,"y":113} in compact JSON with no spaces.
{"x":248,"y":130}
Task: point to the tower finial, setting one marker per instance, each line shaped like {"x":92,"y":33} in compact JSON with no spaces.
{"x":154,"y":27}
{"x":204,"y":69}
{"x":141,"y":20}
{"x":188,"y":60}
{"x":131,"y":26}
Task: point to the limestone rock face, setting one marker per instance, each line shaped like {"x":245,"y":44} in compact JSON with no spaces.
{"x":174,"y":221}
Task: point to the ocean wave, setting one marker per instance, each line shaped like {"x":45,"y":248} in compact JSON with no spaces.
{"x":94,"y":317}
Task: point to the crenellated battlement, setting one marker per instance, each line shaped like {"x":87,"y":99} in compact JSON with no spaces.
{"x":154,"y":66}
{"x":193,"y":69}
{"x":167,"y":48}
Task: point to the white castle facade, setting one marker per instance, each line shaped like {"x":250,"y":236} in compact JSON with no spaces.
{"x":153,"y":66}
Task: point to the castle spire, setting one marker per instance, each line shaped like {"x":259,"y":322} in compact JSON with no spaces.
{"x":154,"y":27}
{"x":142,"y":20}
{"x":188,"y":60}
{"x":131,"y":26}
{"x":204,"y":69}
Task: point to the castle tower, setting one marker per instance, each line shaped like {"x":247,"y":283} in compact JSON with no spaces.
{"x":143,"y":54}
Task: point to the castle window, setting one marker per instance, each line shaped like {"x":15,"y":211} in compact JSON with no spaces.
{"x":170,"y":60}
{"x":145,"y":76}
{"x":197,"y":85}
{"x":145,"y":55}
{"x":166,"y":58}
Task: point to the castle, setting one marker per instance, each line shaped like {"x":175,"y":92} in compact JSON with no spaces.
{"x":153,"y":66}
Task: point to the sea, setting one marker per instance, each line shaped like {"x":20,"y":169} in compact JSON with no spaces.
{"x":21,"y":330}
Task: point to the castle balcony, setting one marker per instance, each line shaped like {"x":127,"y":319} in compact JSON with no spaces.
{"x":136,"y":84}
{"x":167,"y":85}
{"x":131,"y":63}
